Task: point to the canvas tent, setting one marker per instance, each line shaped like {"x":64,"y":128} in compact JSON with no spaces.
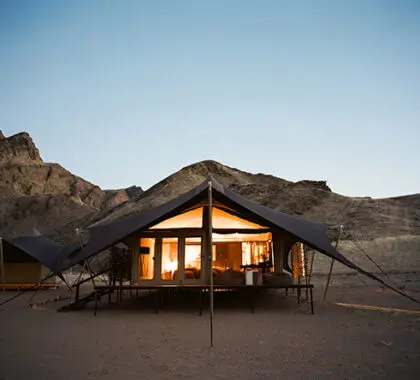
{"x":188,"y":214}
{"x":286,"y":229}
{"x":28,"y":260}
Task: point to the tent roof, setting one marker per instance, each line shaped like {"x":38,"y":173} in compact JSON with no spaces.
{"x":39,"y":248}
{"x":104,"y":236}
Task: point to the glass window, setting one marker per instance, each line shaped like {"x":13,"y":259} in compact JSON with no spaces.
{"x":169,"y":259}
{"x":146,"y":267}
{"x":255,"y":252}
{"x":192,"y":267}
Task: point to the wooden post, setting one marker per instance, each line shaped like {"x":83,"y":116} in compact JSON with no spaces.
{"x":210,"y":253}
{"x":332,"y":263}
{"x":311,"y":268}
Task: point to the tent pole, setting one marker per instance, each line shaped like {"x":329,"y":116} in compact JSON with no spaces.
{"x":311,"y":268}
{"x":79,"y":277}
{"x":2,"y":265}
{"x":210,"y":252}
{"x":332,"y":263}
{"x":36,"y":290}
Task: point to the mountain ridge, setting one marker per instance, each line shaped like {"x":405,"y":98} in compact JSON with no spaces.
{"x":55,"y":201}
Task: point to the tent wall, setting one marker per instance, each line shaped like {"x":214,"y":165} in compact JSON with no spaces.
{"x":22,"y":273}
{"x":25,"y":273}
{"x":278,"y":252}
{"x":282,"y":243}
{"x":309,"y":233}
{"x":133,"y":244}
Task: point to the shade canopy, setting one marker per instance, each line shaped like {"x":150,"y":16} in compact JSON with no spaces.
{"x":312,"y":234}
{"x":36,"y":249}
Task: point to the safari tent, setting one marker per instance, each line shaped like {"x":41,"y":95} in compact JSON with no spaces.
{"x":170,"y":244}
{"x":28,"y":260}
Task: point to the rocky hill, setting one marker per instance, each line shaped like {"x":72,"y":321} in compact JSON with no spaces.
{"x":47,"y":196}
{"x":313,"y":200}
{"x":387,"y":229}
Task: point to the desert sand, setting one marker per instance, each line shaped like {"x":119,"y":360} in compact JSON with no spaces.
{"x":280,"y":341}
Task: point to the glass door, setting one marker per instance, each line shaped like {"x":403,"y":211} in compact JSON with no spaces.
{"x":169,"y":268}
{"x":192,"y":260}
{"x":146,"y":259}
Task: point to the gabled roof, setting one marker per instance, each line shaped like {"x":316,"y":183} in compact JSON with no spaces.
{"x":104,"y":236}
{"x":36,"y":248}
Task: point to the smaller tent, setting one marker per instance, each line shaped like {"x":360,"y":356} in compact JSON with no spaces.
{"x":27,"y":260}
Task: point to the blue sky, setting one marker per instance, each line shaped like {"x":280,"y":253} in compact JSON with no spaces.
{"x":128,"y":92}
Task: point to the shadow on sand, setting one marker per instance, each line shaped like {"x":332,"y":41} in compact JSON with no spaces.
{"x":184,"y":301}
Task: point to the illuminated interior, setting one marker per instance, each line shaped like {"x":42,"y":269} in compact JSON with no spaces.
{"x":189,"y":219}
{"x":194,"y":219}
{"x":232,"y":252}
{"x":224,"y":220}
{"x":192,"y":261}
{"x":146,"y":260}
{"x":169,"y":259}
{"x":192,"y":258}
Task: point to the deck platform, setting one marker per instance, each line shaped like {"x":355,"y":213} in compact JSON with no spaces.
{"x":22,"y":287}
{"x":159,"y":290}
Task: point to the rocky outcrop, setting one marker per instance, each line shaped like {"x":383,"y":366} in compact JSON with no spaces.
{"x":23,"y":173}
{"x":18,"y":149}
{"x":322,"y":185}
{"x":31,"y":189}
{"x":133,"y":192}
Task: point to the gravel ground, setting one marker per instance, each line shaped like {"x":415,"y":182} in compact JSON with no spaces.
{"x":280,"y":341}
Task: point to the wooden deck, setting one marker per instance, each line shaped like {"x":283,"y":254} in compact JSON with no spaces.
{"x":28,"y":286}
{"x":159,"y":290}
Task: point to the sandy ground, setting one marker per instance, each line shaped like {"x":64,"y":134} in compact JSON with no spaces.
{"x":280,"y":341}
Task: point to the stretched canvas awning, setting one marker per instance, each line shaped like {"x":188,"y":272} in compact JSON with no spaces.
{"x":36,"y":248}
{"x":310,"y":233}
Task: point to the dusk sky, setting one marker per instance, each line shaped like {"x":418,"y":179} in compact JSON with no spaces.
{"x":128,"y":92}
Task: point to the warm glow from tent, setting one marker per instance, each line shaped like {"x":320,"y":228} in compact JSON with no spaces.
{"x":241,"y":237}
{"x":194,"y":219}
{"x":169,"y":265}
{"x":232,"y":249}
{"x":189,"y":219}
{"x":224,"y":220}
{"x":170,"y":256}
{"x":192,"y":255}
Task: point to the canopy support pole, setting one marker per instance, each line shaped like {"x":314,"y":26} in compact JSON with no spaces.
{"x":79,"y":277}
{"x":332,"y":263}
{"x":91,"y":272}
{"x":311,"y":268}
{"x":2,"y":265}
{"x":210,"y":253}
{"x":308,"y":273}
